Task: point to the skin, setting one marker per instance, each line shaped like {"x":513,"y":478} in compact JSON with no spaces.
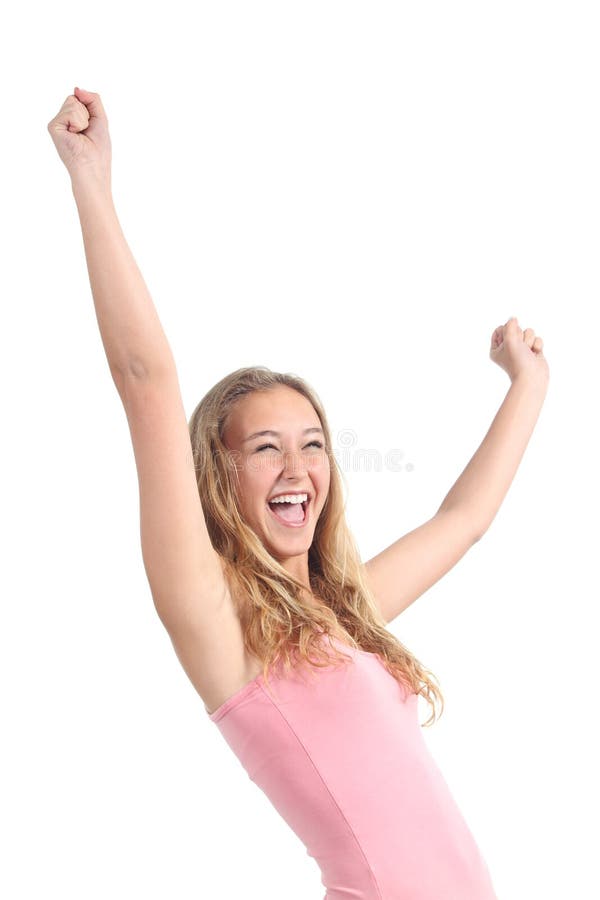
{"x":135,"y":343}
{"x":290,"y":463}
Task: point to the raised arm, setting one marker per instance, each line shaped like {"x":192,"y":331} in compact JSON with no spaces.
{"x":185,"y":573}
{"x":407,"y":568}
{"x":484,"y":483}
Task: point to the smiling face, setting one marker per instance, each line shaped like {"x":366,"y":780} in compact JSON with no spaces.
{"x":294,"y":460}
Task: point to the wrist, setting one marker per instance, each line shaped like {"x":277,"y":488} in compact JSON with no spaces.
{"x":532,"y":380}
{"x":88,"y":181}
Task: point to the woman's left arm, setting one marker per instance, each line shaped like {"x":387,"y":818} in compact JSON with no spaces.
{"x":417,"y":560}
{"x":479,"y":491}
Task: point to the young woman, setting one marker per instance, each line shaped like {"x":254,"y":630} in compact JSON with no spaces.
{"x":256,"y":577}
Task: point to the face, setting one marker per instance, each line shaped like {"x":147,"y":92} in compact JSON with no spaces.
{"x":293,"y":460}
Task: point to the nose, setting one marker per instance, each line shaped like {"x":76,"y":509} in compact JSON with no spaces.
{"x":292,"y":462}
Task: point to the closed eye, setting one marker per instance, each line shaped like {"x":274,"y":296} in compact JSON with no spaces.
{"x":312,"y":444}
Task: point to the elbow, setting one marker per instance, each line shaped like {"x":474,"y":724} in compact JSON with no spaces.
{"x":467,"y":521}
{"x":134,"y":376}
{"x":479,"y":533}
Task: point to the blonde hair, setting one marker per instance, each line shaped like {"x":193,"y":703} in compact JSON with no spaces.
{"x":277,"y":624}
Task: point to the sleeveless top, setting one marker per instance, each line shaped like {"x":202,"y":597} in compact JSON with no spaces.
{"x":342,"y":758}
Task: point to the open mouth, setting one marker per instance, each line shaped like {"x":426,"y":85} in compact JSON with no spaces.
{"x":292,"y":515}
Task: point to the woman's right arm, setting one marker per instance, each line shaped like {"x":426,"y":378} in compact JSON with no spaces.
{"x":185,"y":573}
{"x":133,"y":338}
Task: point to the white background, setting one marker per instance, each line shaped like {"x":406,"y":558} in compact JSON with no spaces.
{"x":359,"y":193}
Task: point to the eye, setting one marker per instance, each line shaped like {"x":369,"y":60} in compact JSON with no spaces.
{"x":312,"y":444}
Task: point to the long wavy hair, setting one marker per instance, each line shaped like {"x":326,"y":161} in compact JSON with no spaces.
{"x":278,"y":625}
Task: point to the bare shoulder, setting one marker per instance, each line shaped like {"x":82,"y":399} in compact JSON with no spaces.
{"x":213,"y":655}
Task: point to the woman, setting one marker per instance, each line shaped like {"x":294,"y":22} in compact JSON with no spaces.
{"x":256,"y":577}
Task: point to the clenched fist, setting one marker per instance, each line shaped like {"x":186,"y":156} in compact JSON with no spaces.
{"x":518,"y":351}
{"x":80,"y":134}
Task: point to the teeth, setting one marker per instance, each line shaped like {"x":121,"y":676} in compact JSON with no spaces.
{"x":290,"y":498}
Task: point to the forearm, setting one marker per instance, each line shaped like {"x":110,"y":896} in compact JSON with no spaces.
{"x":131,"y":332}
{"x":482,"y":486}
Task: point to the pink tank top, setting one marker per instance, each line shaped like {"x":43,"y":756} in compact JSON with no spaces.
{"x":342,"y":758}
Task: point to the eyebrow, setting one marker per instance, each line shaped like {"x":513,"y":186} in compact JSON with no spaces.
{"x":277,"y":433}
